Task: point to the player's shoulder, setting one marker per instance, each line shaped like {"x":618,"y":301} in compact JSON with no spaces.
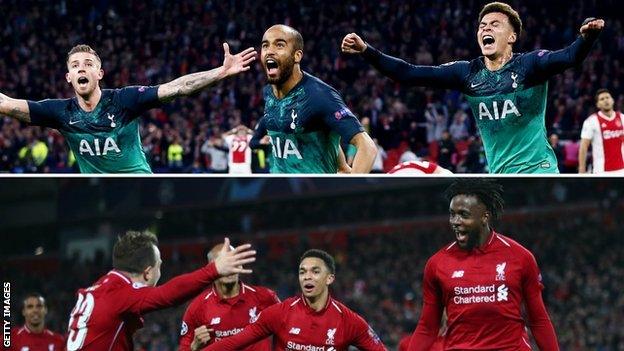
{"x":317,"y":87}
{"x":267,"y":91}
{"x":54,"y":335}
{"x":202,"y":298}
{"x":261,"y":292}
{"x":448,"y":249}
{"x":474,"y":65}
{"x":462,"y":64}
{"x":591,"y":120}
{"x":349,"y":317}
{"x":110,"y":282}
{"x":292,"y":302}
{"x":56,"y":104}
{"x":18,"y":330}
{"x":508,"y":243}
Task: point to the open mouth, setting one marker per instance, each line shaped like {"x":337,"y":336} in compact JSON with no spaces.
{"x":271,"y":66}
{"x":488,"y":40}
{"x":461,"y":236}
{"x":83,"y":81}
{"x":308,"y":287}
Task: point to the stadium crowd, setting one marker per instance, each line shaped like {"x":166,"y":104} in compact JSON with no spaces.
{"x":582,"y":273}
{"x":151,"y":42}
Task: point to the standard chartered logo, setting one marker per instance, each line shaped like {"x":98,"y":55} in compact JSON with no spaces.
{"x":502,"y":292}
{"x":508,"y":108}
{"x":480,"y":294}
{"x":293,"y":346}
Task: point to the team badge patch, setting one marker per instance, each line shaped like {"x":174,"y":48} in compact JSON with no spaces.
{"x":184,"y":329}
{"x":340,"y":114}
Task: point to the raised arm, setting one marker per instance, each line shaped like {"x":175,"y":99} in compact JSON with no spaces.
{"x":194,"y":82}
{"x":548,"y":63}
{"x":15,"y":108}
{"x":185,"y":286}
{"x":449,"y":75}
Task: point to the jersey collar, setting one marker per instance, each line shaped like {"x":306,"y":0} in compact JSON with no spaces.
{"x":514,"y":56}
{"x":605,"y":117}
{"x":311,"y":310}
{"x":241,"y":296}
{"x":120,"y":275}
{"x":485,"y":247}
{"x":304,"y":78}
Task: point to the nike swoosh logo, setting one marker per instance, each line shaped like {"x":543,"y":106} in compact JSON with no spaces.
{"x":473,"y":85}
{"x":74,"y":122}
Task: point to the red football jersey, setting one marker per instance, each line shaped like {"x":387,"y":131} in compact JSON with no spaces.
{"x":483,"y":290}
{"x":437,"y":346}
{"x":227,"y":316}
{"x":109,"y":312}
{"x":22,"y":339}
{"x":296,"y":326}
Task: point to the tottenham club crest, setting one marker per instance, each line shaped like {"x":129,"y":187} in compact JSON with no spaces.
{"x":293,"y":115}
{"x":514,"y":76}
{"x":500,"y":271}
{"x":253,"y":316}
{"x":112,"y":119}
{"x":330,"y":336}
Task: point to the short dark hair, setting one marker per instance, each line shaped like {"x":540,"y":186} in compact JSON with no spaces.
{"x":134,"y":251}
{"x":83,"y":48}
{"x":298,"y":40}
{"x":323,"y":255}
{"x":489,"y":192}
{"x":514,"y":17}
{"x":32,"y":294}
{"x":601,"y":91}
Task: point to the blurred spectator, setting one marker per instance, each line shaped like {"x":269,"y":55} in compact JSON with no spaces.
{"x":379,"y":159}
{"x":446,"y":150}
{"x":559,"y":151}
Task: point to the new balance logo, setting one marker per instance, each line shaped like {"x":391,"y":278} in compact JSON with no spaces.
{"x":458,"y":274}
{"x":215,"y":320}
{"x":294,"y":331}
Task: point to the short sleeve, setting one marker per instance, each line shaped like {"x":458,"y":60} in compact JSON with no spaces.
{"x":588,"y":129}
